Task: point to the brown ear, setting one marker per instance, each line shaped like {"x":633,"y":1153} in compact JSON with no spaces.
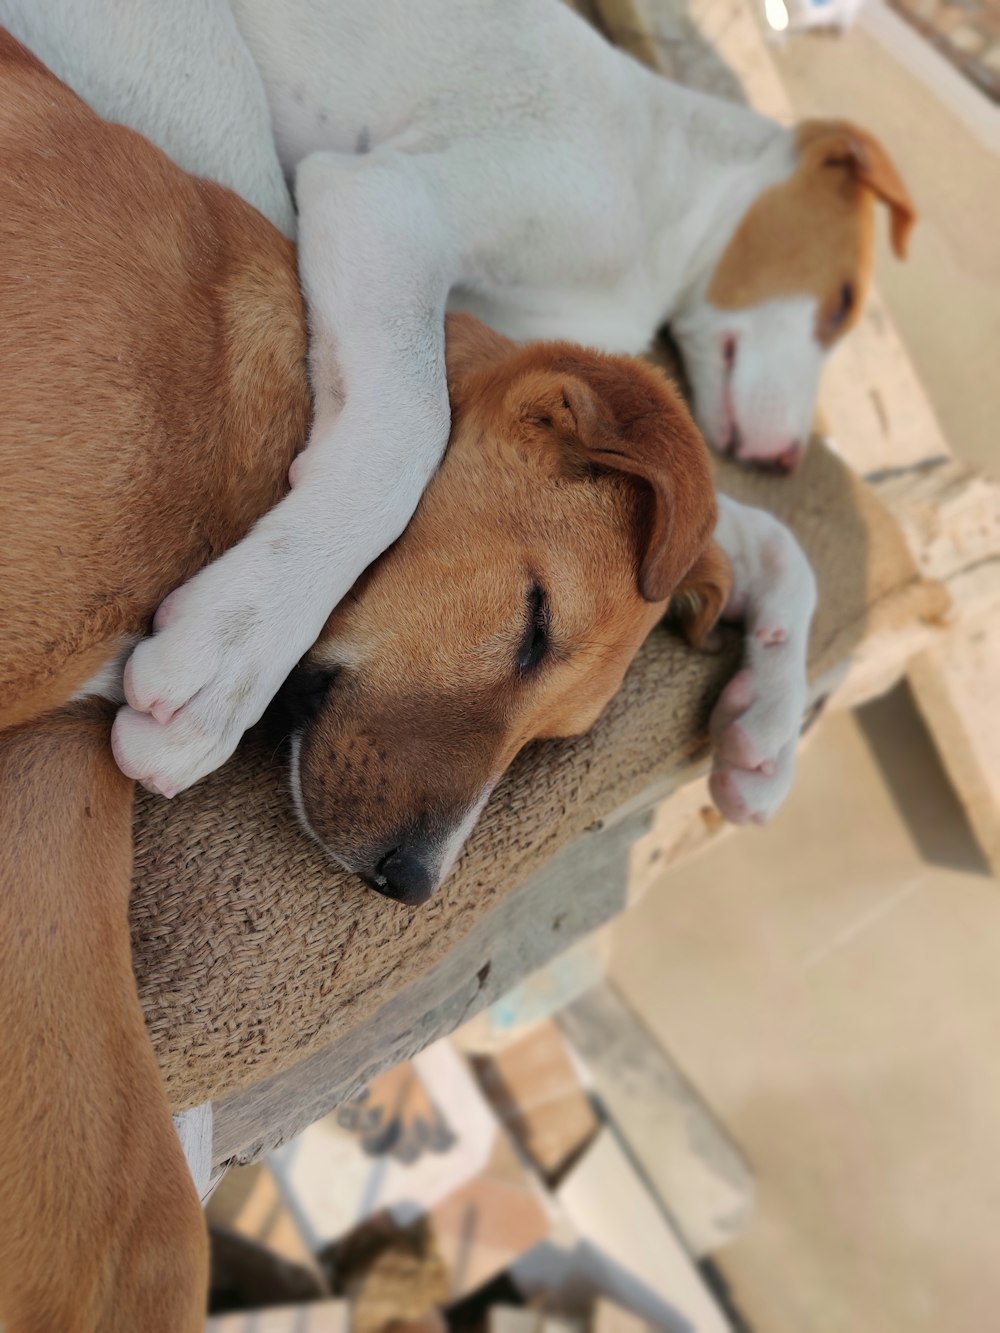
{"x":839,"y":143}
{"x":622,"y":415}
{"x":471,"y":345}
{"x":702,"y":596}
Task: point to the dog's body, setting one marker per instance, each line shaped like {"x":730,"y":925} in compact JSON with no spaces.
{"x":505,"y":156}
{"x":155,"y":393}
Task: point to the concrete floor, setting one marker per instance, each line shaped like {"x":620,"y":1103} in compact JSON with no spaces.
{"x":831,"y":986}
{"x":832,"y":983}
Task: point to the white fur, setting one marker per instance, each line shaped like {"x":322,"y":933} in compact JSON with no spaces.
{"x":755,"y":725}
{"x":459,"y":835}
{"x":499,"y":153}
{"x":295,"y":786}
{"x":762,"y":407}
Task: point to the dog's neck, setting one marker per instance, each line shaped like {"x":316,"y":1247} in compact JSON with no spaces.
{"x":699,"y":163}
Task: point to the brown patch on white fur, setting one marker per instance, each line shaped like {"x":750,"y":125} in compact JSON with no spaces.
{"x":813,"y":233}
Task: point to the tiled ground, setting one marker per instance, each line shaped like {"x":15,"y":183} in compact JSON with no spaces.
{"x":966,"y":31}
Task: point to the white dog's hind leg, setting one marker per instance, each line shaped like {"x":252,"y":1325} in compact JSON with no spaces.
{"x":376,"y":267}
{"x":755,"y":724}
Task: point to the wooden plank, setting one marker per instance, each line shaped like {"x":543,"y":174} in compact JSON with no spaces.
{"x":320,"y":1317}
{"x":194,"y":1129}
{"x":697,"y":1174}
{"x":535,"y":1090}
{"x":950,"y":518}
{"x":512,"y":1319}
{"x":615,"y":1241}
{"x":611,"y":1318}
{"x":682,"y":826}
{"x":957,"y":688}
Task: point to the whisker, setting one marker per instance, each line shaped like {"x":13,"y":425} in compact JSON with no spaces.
{"x":283,"y":741}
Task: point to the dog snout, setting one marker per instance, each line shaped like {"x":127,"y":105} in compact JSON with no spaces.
{"x":784,"y":459}
{"x":782,"y":455}
{"x":790,"y":457}
{"x":407,"y":873}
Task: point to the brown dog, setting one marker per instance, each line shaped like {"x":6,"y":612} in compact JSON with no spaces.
{"x":154,"y":394}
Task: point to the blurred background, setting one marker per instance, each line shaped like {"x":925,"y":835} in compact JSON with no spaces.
{"x":767,"y":1096}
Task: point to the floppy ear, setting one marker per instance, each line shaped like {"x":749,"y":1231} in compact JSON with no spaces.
{"x":702,"y":596}
{"x":828,"y":143}
{"x":625,"y":417}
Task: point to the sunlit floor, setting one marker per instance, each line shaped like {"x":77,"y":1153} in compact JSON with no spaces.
{"x":832,"y":985}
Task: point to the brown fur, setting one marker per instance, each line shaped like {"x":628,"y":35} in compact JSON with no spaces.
{"x":142,"y":310}
{"x":813,"y":233}
{"x":154,"y":392}
{"x":100,"y":1227}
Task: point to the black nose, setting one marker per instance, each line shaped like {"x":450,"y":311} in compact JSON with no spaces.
{"x":404,"y":877}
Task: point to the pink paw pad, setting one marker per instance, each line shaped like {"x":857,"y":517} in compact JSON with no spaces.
{"x":770,"y":636}
{"x":161,"y":712}
{"x":738,"y":694}
{"x":155,"y":708}
{"x":726,"y":794}
{"x":738,"y":749}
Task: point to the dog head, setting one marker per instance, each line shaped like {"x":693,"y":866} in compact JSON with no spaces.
{"x":574,"y":501}
{"x":790,"y":283}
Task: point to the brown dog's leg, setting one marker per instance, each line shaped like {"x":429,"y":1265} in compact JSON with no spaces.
{"x":101,"y":1229}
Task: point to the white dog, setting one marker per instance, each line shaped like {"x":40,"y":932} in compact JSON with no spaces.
{"x":502,"y":157}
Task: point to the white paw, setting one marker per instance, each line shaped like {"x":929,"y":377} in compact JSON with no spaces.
{"x":754,"y":729}
{"x":219,"y":653}
{"x":755,"y":724}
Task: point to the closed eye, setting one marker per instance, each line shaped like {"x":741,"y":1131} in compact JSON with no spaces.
{"x":305,"y":692}
{"x":535,"y":642}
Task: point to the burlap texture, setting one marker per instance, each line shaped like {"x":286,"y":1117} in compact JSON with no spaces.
{"x":253,"y":951}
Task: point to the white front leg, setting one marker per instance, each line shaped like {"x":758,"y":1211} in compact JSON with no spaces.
{"x":755,"y":724}
{"x":375,"y":270}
